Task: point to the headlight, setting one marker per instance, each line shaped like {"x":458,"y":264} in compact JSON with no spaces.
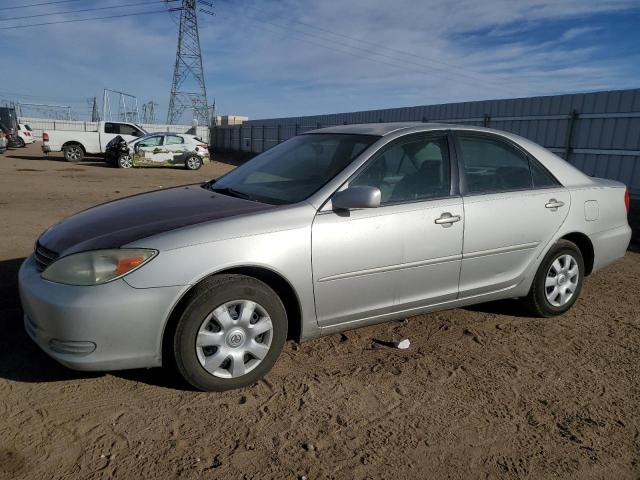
{"x":99,"y":266}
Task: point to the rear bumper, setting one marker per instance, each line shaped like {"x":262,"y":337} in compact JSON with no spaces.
{"x":610,"y":245}
{"x":104,"y":327}
{"x":46,"y":148}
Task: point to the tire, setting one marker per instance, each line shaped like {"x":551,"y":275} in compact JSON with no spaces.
{"x":125,"y":161}
{"x":226,"y":357}
{"x":546,"y":297}
{"x":20,"y":142}
{"x":193,"y":162}
{"x":73,"y":153}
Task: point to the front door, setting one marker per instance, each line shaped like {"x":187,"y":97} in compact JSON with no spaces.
{"x":513,"y":207}
{"x":151,"y":150}
{"x":403,"y":255}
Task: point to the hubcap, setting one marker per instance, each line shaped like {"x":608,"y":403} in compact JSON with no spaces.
{"x":562,"y":280}
{"x":192,"y":163}
{"x":125,"y":161}
{"x":74,"y":153}
{"x":234,"y":339}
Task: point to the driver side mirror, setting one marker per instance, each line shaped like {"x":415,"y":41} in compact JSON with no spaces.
{"x":356,"y":197}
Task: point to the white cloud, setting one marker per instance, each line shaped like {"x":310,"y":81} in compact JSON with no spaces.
{"x":300,"y":57}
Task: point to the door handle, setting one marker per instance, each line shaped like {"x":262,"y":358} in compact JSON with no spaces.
{"x":446,"y":219}
{"x":554,"y":204}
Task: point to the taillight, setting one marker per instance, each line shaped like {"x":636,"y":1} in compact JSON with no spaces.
{"x":202,"y":145}
{"x":45,"y":137}
{"x":627,"y":200}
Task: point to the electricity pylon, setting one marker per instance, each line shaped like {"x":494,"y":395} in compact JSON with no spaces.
{"x":188,"y":91}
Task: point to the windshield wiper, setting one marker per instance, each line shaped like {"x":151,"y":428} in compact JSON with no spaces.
{"x":232,"y":192}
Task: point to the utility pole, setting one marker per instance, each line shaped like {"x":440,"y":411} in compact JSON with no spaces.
{"x":188,"y":91}
{"x":95,"y":116}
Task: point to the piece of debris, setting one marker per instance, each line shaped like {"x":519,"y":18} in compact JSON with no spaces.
{"x":401,"y":344}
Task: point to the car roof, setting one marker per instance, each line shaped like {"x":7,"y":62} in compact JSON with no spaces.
{"x":388,"y":128}
{"x":166,"y":133}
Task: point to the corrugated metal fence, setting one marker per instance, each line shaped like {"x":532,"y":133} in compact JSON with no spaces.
{"x":40,"y":125}
{"x":597,"y":132}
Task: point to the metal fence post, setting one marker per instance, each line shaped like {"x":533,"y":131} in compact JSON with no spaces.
{"x":264,"y":139}
{"x":487,"y":120}
{"x":296,"y":130}
{"x":278,"y":134}
{"x":573,"y":116}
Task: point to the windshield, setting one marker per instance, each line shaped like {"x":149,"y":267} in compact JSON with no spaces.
{"x":295,"y":169}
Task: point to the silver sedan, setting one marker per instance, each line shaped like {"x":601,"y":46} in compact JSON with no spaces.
{"x":331,"y":230}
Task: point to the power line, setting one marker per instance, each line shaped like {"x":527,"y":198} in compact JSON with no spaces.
{"x":122,"y":5}
{"x":27,"y":5}
{"x":367,"y":54}
{"x":83,"y":19}
{"x":366,"y":42}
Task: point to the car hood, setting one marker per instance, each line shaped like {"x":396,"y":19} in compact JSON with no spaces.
{"x":117,"y":223}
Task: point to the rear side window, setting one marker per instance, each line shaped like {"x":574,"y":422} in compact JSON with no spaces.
{"x":541,"y":178}
{"x":112,"y":128}
{"x":173,"y":140}
{"x":493,"y":166}
{"x":128,"y":130}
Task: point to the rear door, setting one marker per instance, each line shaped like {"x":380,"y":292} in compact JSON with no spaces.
{"x":513,"y":206}
{"x":176,"y":148}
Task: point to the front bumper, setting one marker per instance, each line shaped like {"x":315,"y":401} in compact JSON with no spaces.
{"x":104,"y":327}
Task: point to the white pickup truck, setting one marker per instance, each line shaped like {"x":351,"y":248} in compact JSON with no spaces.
{"x":76,"y":145}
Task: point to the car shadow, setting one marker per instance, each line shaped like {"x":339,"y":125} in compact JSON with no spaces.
{"x":509,"y":307}
{"x":21,"y":360}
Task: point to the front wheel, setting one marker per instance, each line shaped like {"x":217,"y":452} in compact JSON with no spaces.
{"x":125,"y":161}
{"x":193,"y":162}
{"x":230,"y":334}
{"x":20,"y":142}
{"x":558,"y":282}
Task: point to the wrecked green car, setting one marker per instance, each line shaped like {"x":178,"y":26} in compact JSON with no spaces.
{"x":158,"y":149}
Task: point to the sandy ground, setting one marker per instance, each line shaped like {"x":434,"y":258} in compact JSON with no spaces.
{"x":481,"y":393}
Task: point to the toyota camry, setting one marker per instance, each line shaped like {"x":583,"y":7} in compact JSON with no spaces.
{"x":337,"y":228}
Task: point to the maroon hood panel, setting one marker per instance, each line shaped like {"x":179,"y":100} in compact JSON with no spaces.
{"x":114,"y":224}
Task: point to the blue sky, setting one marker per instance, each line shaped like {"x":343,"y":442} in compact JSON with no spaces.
{"x":288,"y":57}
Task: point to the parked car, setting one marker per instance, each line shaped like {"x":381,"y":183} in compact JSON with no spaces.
{"x":3,"y":142}
{"x":25,"y":134}
{"x":331,"y":230}
{"x":76,"y":145}
{"x":158,"y":149}
{"x":10,"y":136}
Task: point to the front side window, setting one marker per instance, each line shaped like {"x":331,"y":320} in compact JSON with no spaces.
{"x":416,"y":168}
{"x":293,"y":170}
{"x":173,"y":140}
{"x":155,"y":141}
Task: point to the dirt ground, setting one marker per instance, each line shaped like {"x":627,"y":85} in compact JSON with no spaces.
{"x":481,"y":393}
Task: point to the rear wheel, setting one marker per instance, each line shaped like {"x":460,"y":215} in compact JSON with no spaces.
{"x":20,"y":142}
{"x":73,"y":153}
{"x":558,"y":281}
{"x":125,"y":161}
{"x":230,"y":334}
{"x":193,"y":162}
